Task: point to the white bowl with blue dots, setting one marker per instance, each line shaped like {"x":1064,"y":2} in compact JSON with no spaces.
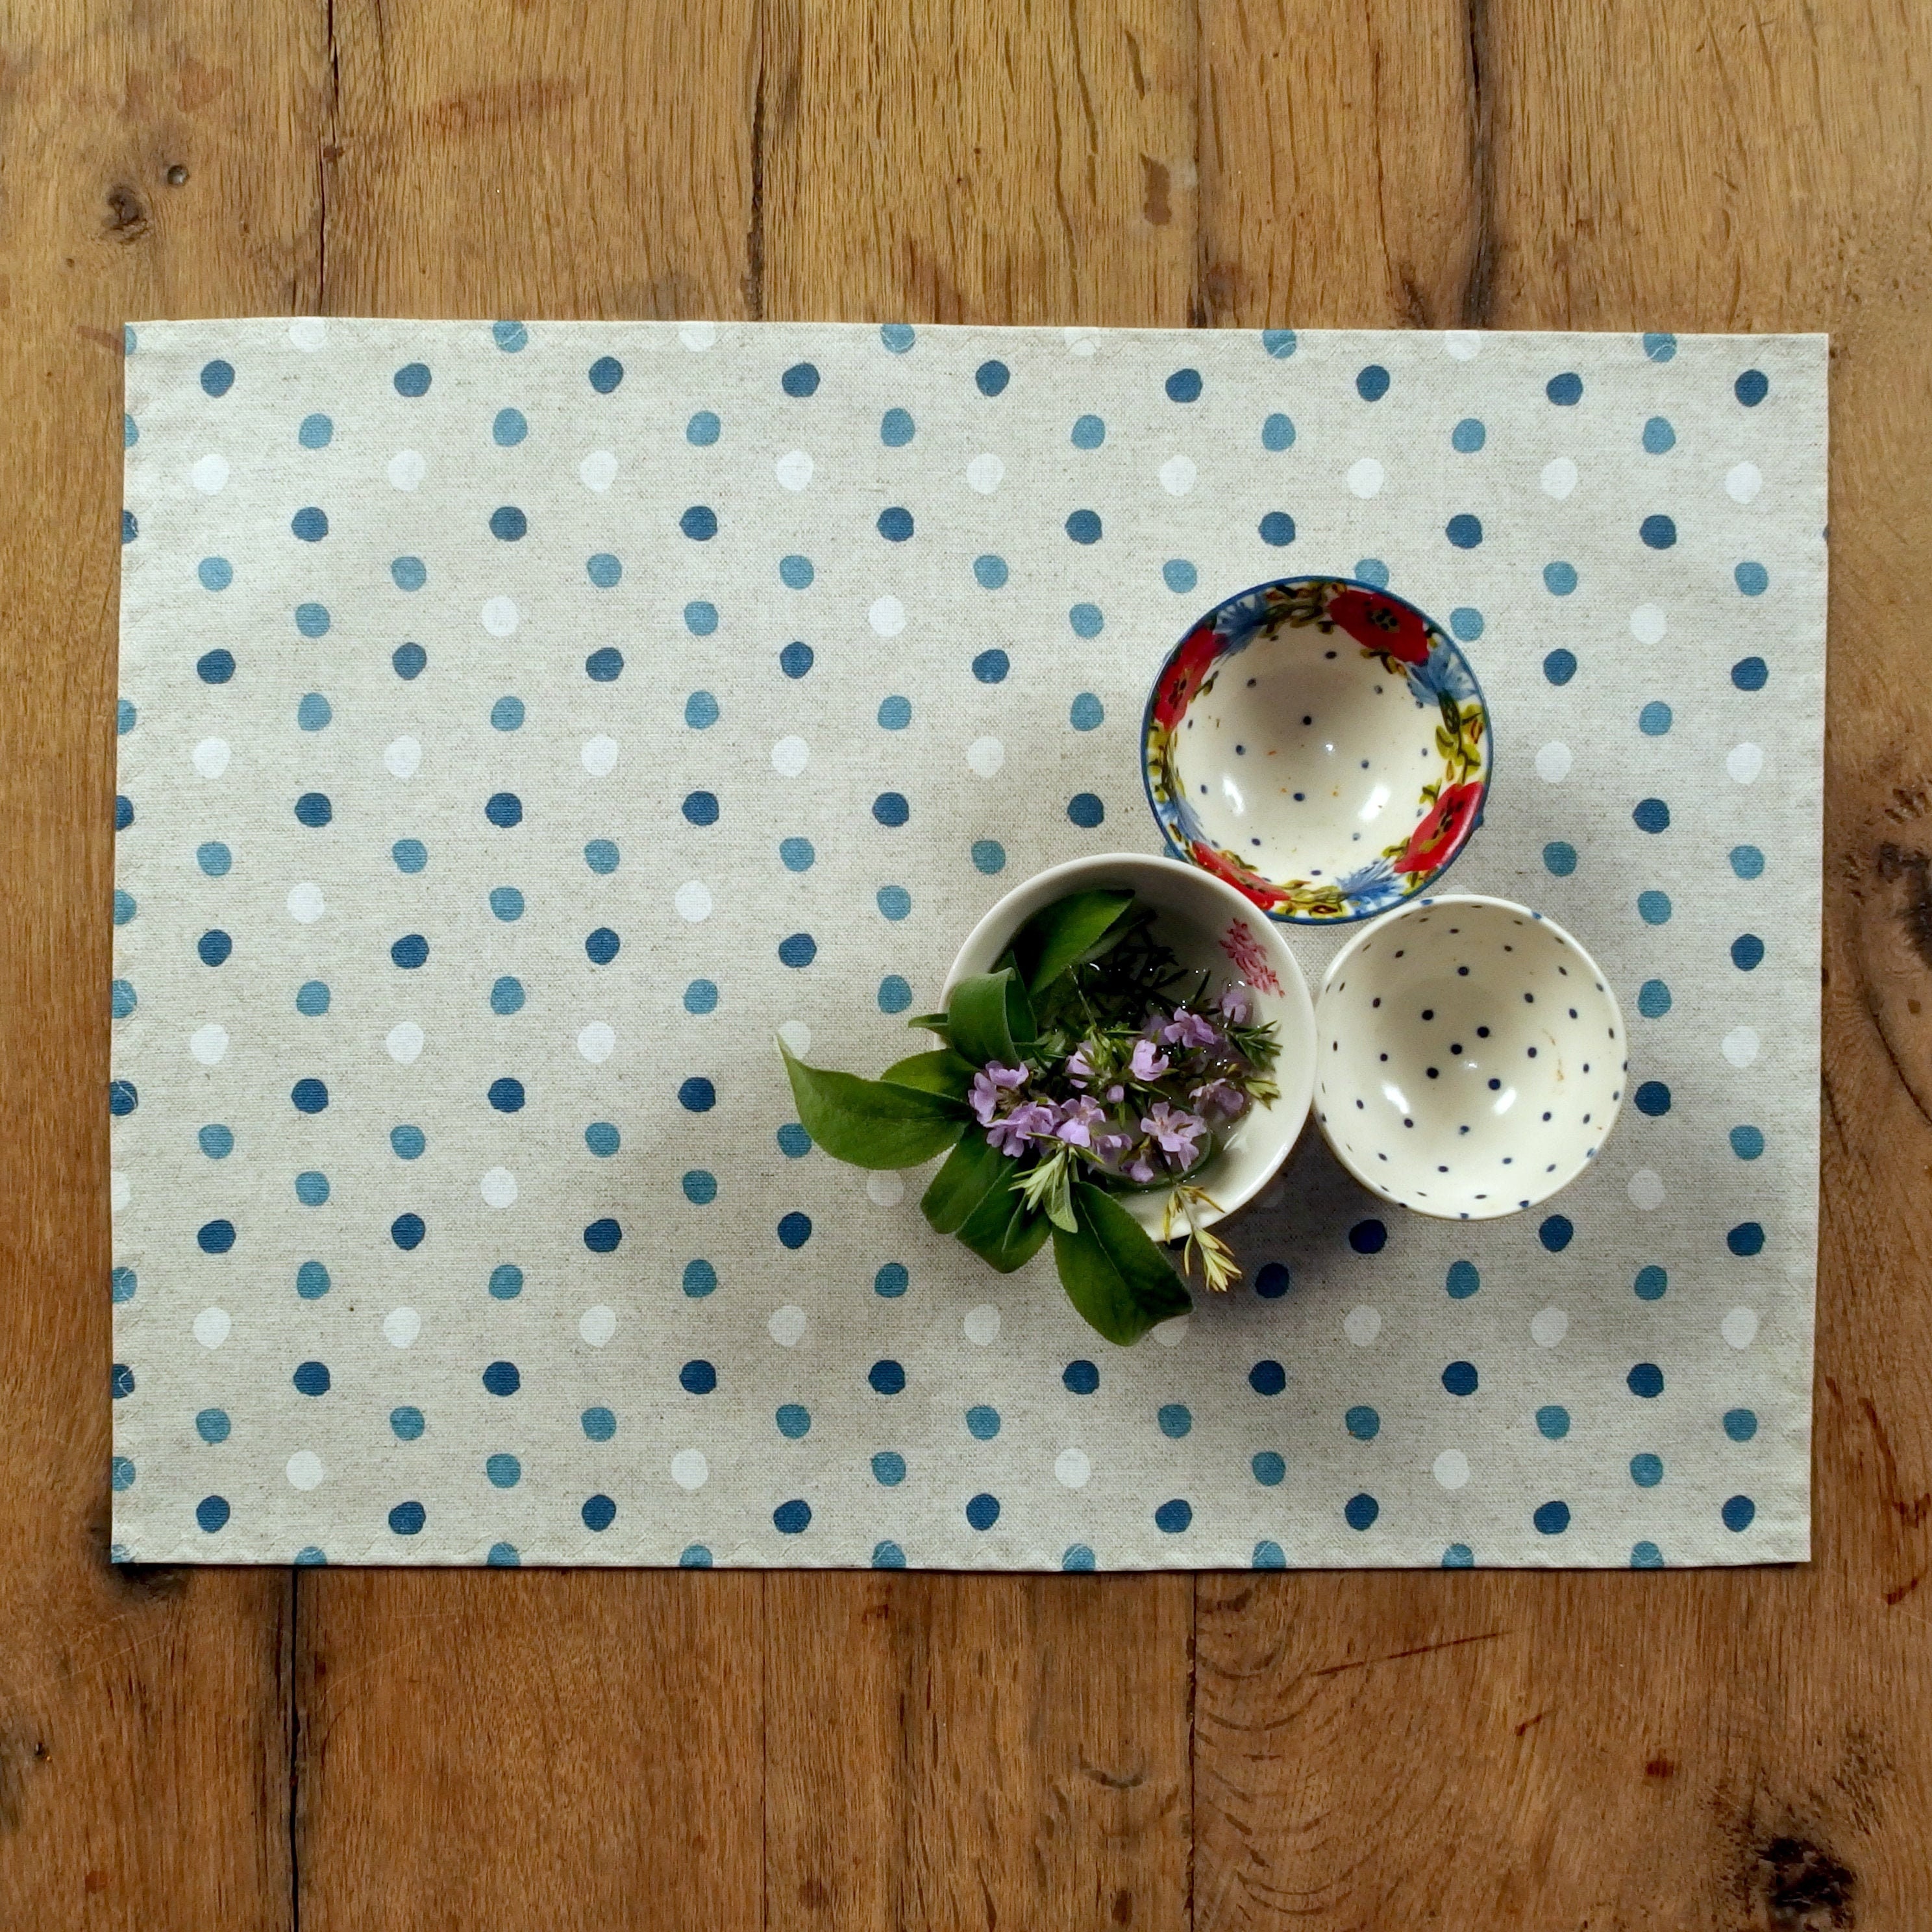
{"x":1210,"y":926}
{"x":1470,"y":1058}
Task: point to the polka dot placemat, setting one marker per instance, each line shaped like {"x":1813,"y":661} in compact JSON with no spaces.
{"x":521,"y":725}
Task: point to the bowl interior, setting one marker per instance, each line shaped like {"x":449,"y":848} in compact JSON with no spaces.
{"x":1209,"y":926}
{"x":1470,"y":1058}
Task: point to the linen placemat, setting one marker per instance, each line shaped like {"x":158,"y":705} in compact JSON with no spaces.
{"x":521,"y":723}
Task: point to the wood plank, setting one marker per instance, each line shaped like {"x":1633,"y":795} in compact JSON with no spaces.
{"x":143,"y":1749}
{"x":981,"y":1751}
{"x":555,"y":1749}
{"x":1703,"y":1749}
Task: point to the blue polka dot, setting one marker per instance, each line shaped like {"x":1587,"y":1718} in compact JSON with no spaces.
{"x":406,"y":1423}
{"x":991,"y":667}
{"x":1469,"y":435}
{"x":312,"y":1281}
{"x":1276,"y":528}
{"x":1652,"y":1098}
{"x":1272,"y":1280}
{"x":1645,"y":1379}
{"x":891,"y":809}
{"x":1646,"y":1555}
{"x":1278,"y":432}
{"x":895,"y":713}
{"x":886,"y":1377}
{"x":1746,"y":1239}
{"x":1268,"y":1555}
{"x":212,"y":1425}
{"x":1750,"y":674}
{"x":1650,"y":1283}
{"x":1089,"y":433}
{"x":1739,"y":1514}
{"x":1086,"y":620}
{"x":1559,"y":580}
{"x":1368,"y":1237}
{"x":216,"y":573}
{"x":700,"y":1280}
{"x":504,"y":809}
{"x":992,"y":378}
{"x":1740,"y":1424}
{"x":983,"y":1511}
{"x":125,"y":717}
{"x":599,"y":1424}
{"x":124,"y":813}
{"x":1362,"y":1423}
{"x":1651,"y":814}
{"x":504,"y":1472}
{"x":1551,"y":1518}
{"x":1653,"y":907}
{"x":311,"y":1378}
{"x":503,"y":1378}
{"x":1463,"y":530}
{"x":409,"y":952}
{"x":801,"y":379}
{"x":695,"y":1556}
{"x":1360,"y":1511}
{"x":1184,"y":386}
{"x":895,"y":523}
{"x":1080,"y":1377}
{"x":794,"y":1230}
{"x":1556,"y":1233}
{"x":130,"y":526}
{"x":1175,"y":1420}
{"x":1748,"y":1143}
{"x":1178,"y":574}
{"x":888,"y":1468}
{"x":990,"y":572}
{"x":699,"y":523}
{"x":215,"y":1237}
{"x":410,"y":573}
{"x":1460,"y":1378}
{"x":215,"y":667}
{"x":797,"y":949}
{"x":1268,"y":1378}
{"x":1646,"y":1470}
{"x":701,"y":996}
{"x":700,"y":617}
{"x":125,"y":907}
{"x":1372,"y":383}
{"x":1660,"y":348}
{"x":211,"y":1514}
{"x":315,"y":432}
{"x":310,"y":523}
{"x":896,"y":429}
{"x":796,"y":855}
{"x":122,"y":998}
{"x":1560,"y":666}
{"x":793,"y":1141}
{"x":1560,"y":857}
{"x":700,"y":808}
{"x":123,"y":1382}
{"x":506,"y":996}
{"x":310,"y":1095}
{"x":793,"y":1420}
{"x":603,"y":1237}
{"x":131,"y":431}
{"x":604,"y":570}
{"x":795,"y":659}
{"x":313,"y":809}
{"x":408,"y":1142}
{"x":982,"y":1423}
{"x":793,"y":1518}
{"x":507,"y":903}
{"x":1565,"y":391}
{"x":1269,"y":1467}
{"x":989,"y":857}
{"x":408,"y":661}
{"x":506,"y":1095}
{"x":895,"y":902}
{"x":1747,"y":952}
{"x":1174,"y":1515}
{"x":605,"y":374}
{"x":510,"y":336}
{"x":1085,"y":809}
{"x":601,"y":856}
{"x":214,"y":859}
{"x":598,"y":1514}
{"x":1753,"y":579}
{"x":217,"y":1142}
{"x":894,"y":994}
{"x":122,"y":1097}
{"x":1653,"y":999}
{"x":1658,"y":436}
{"x":704,"y":429}
{"x":217,"y":377}
{"x":700,"y":710}
{"x":1552,"y":1422}
{"x":892,"y":1281}
{"x":1466,"y":623}
{"x":312,"y":620}
{"x":1463,"y":1280}
{"x":1654,"y":719}
{"x":1658,"y":532}
{"x":1752,"y":387}
{"x":898,"y":336}
{"x":796,"y":573}
{"x":509,"y":428}
{"x":1083,"y":527}
{"x":1279,"y":342}
{"x":412,"y":379}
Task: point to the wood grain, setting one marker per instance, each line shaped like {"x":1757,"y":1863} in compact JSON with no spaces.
{"x":143,"y":1746}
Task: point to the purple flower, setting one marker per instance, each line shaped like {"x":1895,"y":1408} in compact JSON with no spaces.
{"x":1174,"y":1132}
{"x":1074,"y":1121}
{"x":1141,"y":1167}
{"x":1187,"y":1030}
{"x":987,"y":1086}
{"x":1220,"y":1096}
{"x":1147,"y":1063}
{"x":1016,"y":1132}
{"x":1115,"y":1094}
{"x":1079,"y":1069}
{"x":1237,"y":1004}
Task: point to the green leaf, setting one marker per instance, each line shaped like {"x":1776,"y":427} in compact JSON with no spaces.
{"x":1069,"y":929}
{"x":932,"y":1022}
{"x":1020,"y":1022}
{"x":871,"y":1123}
{"x":1004,"y":1230}
{"x":970,"y":1172}
{"x":1113,"y":1273}
{"x":943,"y":1072}
{"x":982,"y":1017}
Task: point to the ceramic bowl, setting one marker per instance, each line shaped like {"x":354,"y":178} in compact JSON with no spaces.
{"x":1470,"y":1058}
{"x":1321,"y":745}
{"x":1208,"y":924}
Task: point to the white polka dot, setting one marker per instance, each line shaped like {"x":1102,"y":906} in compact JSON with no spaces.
{"x":986,"y":473}
{"x":790,"y":756}
{"x":308,"y":332}
{"x":1171,"y":1333}
{"x":1647,"y":624}
{"x":1463,"y":343}
{"x":211,"y":757}
{"x":688,"y":1469}
{"x":885,"y":1190}
{"x":887,"y":616}
{"x":1549,"y":1327}
{"x":1451,"y":1468}
{"x":787,"y":1327}
{"x":1744,"y":762}
{"x":1362,"y":1325}
{"x":404,"y":1042}
{"x":986,"y":756}
{"x":306,"y":904}
{"x":1365,"y":476}
{"x":1646,"y":1189}
{"x":982,"y":1325}
{"x":498,"y":1188}
{"x":499,"y":616}
{"x":401,"y":1326}
{"x":1553,"y":761}
{"x":597,"y":1325}
{"x":1072,"y":1467}
{"x":793,"y":469}
{"x":119,"y":1191}
{"x":599,"y":469}
{"x":1177,"y":475}
{"x":797,"y":1035}
{"x":1741,"y":1045}
{"x":402,"y":758}
{"x":212,"y":1326}
{"x":597,"y":1043}
{"x":693,"y":901}
{"x":208,"y":1043}
{"x":1742,"y":484}
{"x":1559,"y":477}
{"x":600,"y":756}
{"x":1739,"y":1327}
{"x":210,"y":474}
{"x":407,"y":469}
{"x":304,"y":1469}
{"x":698,"y":336}
{"x":1081,"y":341}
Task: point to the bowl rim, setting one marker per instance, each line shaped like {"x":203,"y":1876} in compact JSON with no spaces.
{"x":1489,"y":901}
{"x":1354,"y":583}
{"x":1296,"y":1103}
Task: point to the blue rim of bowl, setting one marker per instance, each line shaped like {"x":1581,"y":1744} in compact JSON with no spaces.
{"x":1426,"y":881}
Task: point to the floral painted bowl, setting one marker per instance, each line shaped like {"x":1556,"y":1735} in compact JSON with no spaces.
{"x":1470,"y":1058}
{"x":1319,"y":744}
{"x":1208,"y":925}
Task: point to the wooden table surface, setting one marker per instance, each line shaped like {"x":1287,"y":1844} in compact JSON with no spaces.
{"x":367,"y":1751}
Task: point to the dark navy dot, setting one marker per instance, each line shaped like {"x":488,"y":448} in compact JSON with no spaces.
{"x":1083,"y":527}
{"x":800,"y":380}
{"x":886,"y":1377}
{"x":797,"y":949}
{"x":1276,"y":528}
{"x":1271,"y":1282}
{"x":123,"y":1098}
{"x":1645,"y":1379}
{"x":1086,"y":810}
{"x":215,"y":667}
{"x":1268,"y":1378}
{"x":601,"y":945}
{"x":896,"y":524}
{"x":1564,"y":390}
{"x":1459,"y":1379}
{"x":700,"y":808}
{"x":795,"y":1230}
{"x":1372,"y":383}
{"x":992,"y":667}
{"x":1552,"y":1519}
{"x":504,"y":809}
{"x":214,"y":946}
{"x":217,"y":378}
{"x":1752,"y":387}
{"x":1360,"y":1512}
{"x":1556,"y":1233}
{"x":507,"y":523}
{"x":1463,"y":530}
{"x":602,"y":1237}
{"x":311,"y":1378}
{"x":1368,"y":1238}
{"x":407,"y":1518}
{"x":412,"y":379}
{"x":697,"y":1378}
{"x":1362,"y":1423}
{"x":793,"y":1518}
{"x":313,"y":809}
{"x":123,"y":1381}
{"x":506,"y":1095}
{"x":409,"y":660}
{"x":124,"y":813}
{"x":211,"y":1513}
{"x":795,"y":659}
{"x":1560,"y":666}
{"x":700,"y":1187}
{"x":1740,"y":1424}
{"x":215,"y":1237}
{"x":890,"y":807}
{"x":310,"y":1096}
{"x":699,"y":523}
{"x":1750,"y":674}
{"x":411,"y":951}
{"x":502,"y":1378}
{"x":992,"y":377}
{"x":1738,"y":1512}
{"x":1747,"y":952}
{"x":1651,"y":814}
{"x":407,"y":1231}
{"x":310,"y":523}
{"x":1080,"y":1378}
{"x":1658,"y":532}
{"x":1560,"y":857}
{"x":605,"y":666}
{"x":1184,"y":386}
{"x":598,"y":1513}
{"x":983,"y":1511}
{"x":1746,"y":1238}
{"x":1173,"y":1516}
{"x":1652,"y":1098}
{"x":130,"y":526}
{"x":606,"y":373}
{"x":793,"y":1141}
